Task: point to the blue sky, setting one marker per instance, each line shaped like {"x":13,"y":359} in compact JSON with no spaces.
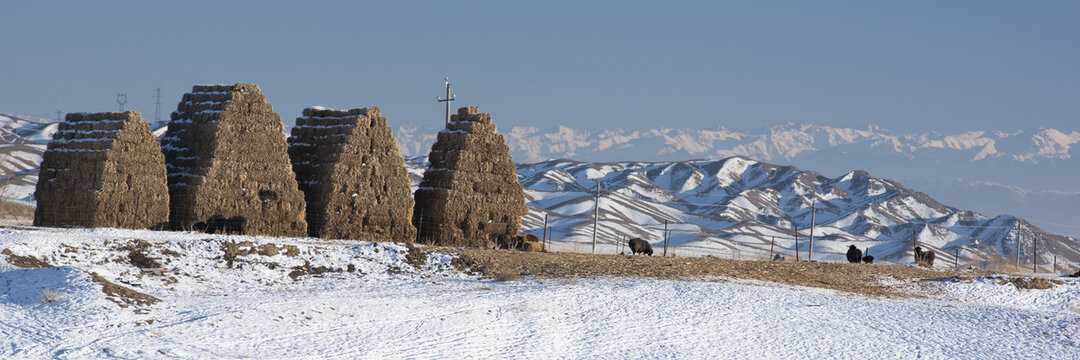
{"x":910,"y":66}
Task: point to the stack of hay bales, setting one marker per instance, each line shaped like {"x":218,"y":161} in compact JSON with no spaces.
{"x":470,"y":195}
{"x":102,"y":170}
{"x":352,"y":174}
{"x":226,"y":155}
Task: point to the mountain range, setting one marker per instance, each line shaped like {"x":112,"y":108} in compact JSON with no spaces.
{"x":1028,"y":173}
{"x":737,"y":205}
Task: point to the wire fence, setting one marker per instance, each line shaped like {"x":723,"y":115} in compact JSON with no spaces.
{"x":676,"y":241}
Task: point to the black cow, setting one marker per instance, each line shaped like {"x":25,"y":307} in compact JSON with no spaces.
{"x":854,"y":255}
{"x":924,"y":258}
{"x":215,"y":223}
{"x":638,"y":246}
{"x":235,"y":224}
{"x":868,"y":259}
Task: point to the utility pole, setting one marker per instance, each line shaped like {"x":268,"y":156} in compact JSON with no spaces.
{"x":1035,"y":255}
{"x":596,"y":216}
{"x":121,"y":99}
{"x":813,"y":210}
{"x":666,"y":235}
{"x":157,"y":106}
{"x":447,"y":100}
{"x":1018,"y":246}
{"x":58,"y":112}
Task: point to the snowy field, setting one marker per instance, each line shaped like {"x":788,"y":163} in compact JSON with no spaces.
{"x":391,"y":306}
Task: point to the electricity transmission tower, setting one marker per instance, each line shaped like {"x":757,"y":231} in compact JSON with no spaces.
{"x":121,"y":99}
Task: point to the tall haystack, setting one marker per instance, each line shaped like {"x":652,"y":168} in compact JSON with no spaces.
{"x":226,"y":156}
{"x":352,"y":174}
{"x":470,"y":195}
{"x":102,"y":170}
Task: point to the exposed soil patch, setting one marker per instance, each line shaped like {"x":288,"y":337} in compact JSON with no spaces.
{"x":415,"y":256}
{"x":854,"y":278}
{"x":122,"y":295}
{"x":243,"y":248}
{"x":24,"y":261}
{"x":307,"y":269}
{"x":1031,"y":283}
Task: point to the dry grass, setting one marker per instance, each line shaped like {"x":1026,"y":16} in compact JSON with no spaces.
{"x":50,"y":296}
{"x":854,"y":278}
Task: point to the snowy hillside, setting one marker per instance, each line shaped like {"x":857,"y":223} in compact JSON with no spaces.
{"x":262,"y":297}
{"x":737,"y":207}
{"x":23,"y":141}
{"x":1029,"y":164}
{"x":730,"y":208}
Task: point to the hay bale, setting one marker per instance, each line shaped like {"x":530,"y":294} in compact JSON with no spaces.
{"x":352,"y":174}
{"x":225,"y":152}
{"x":102,"y":170}
{"x":470,"y":195}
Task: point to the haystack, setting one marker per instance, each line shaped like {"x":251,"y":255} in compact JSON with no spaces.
{"x":470,"y":195}
{"x":226,"y":156}
{"x":352,"y":174}
{"x":102,"y":170}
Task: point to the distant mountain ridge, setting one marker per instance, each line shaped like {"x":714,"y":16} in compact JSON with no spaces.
{"x":1027,"y":172}
{"x":706,"y":209}
{"x":739,"y":206}
{"x":783,"y":142}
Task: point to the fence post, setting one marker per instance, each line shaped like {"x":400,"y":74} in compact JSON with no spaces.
{"x":665,"y":237}
{"x":796,"y":243}
{"x":771,"y":246}
{"x":420,"y":229}
{"x":1055,"y":264}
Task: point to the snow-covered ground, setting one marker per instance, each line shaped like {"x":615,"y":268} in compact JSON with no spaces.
{"x":391,"y":307}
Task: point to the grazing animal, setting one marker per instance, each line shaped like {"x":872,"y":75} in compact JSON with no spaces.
{"x":215,"y":223}
{"x":235,"y":224}
{"x":638,"y":246}
{"x":777,"y":257}
{"x":854,"y":255}
{"x":868,"y":259}
{"x":924,"y":258}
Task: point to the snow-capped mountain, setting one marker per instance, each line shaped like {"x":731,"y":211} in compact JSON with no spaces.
{"x":784,"y":142}
{"x":729,"y":206}
{"x":739,"y":207}
{"x":1028,"y":173}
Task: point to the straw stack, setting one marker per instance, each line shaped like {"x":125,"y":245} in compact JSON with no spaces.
{"x":470,"y":195}
{"x":102,"y":170}
{"x":352,"y":174}
{"x":225,"y":152}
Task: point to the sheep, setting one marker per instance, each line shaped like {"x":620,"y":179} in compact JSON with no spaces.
{"x":854,"y":255}
{"x":924,"y":258}
{"x":638,"y":246}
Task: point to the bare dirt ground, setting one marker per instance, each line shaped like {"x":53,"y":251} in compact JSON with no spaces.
{"x":853,"y":278}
